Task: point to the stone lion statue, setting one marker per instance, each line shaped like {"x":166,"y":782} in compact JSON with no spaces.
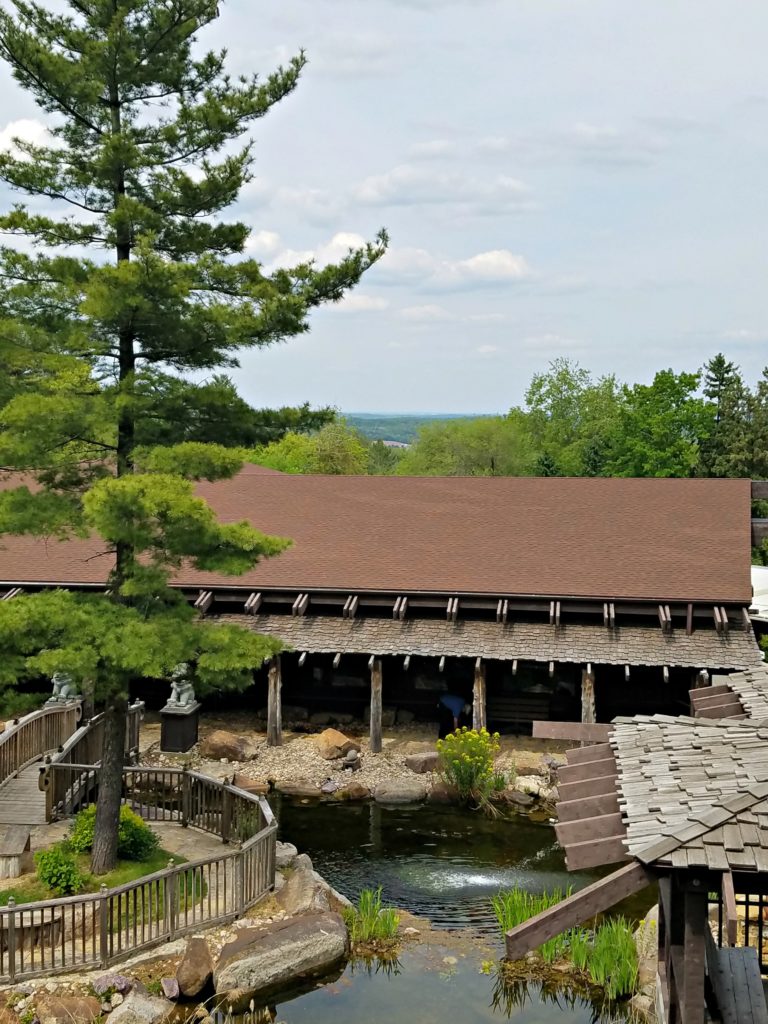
{"x":63,"y":687}
{"x":182,"y":689}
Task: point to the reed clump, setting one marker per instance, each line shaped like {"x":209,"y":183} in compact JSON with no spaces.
{"x":605,"y":956}
{"x":370,"y":923}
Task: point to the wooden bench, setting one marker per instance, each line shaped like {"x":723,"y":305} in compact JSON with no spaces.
{"x":520,"y":709}
{"x":734,"y":974}
{"x":15,"y":851}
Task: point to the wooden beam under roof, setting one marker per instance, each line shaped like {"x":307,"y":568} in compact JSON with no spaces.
{"x":9,"y":595}
{"x":253,"y":603}
{"x":350,"y":607}
{"x":204,"y":601}
{"x":502,"y":610}
{"x":579,"y":732}
{"x":300,"y":605}
{"x":575,"y":910}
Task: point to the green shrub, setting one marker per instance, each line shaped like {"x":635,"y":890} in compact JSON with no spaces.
{"x":514,"y":906}
{"x":466,"y":763}
{"x":612,"y":961}
{"x":57,"y":869}
{"x":369,"y":921}
{"x":135,"y":839}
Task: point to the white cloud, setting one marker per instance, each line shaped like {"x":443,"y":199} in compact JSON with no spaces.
{"x":433,"y":148}
{"x":424,"y":314}
{"x":26,"y":129}
{"x":551,"y":342}
{"x":354,"y":54}
{"x":409,"y":185}
{"x":487,"y":350}
{"x":745,"y":334}
{"x":609,"y":145}
{"x":263,"y":243}
{"x":420,"y":268}
{"x":496,"y":265}
{"x":330,"y":252}
{"x":360,"y":303}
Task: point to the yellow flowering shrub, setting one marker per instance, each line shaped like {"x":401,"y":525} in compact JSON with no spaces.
{"x":466,"y":759}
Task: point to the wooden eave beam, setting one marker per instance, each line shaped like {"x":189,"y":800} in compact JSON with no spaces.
{"x":589,"y":787}
{"x":579,"y":732}
{"x":253,"y":603}
{"x":300,"y":605}
{"x":9,"y":595}
{"x":589,"y":770}
{"x":595,"y":853}
{"x":204,"y":601}
{"x":594,"y":752}
{"x":588,"y":807}
{"x":729,"y":909}
{"x":575,"y":910}
{"x":583,"y":830}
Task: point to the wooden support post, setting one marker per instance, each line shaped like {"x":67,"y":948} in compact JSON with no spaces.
{"x":376,"y":686}
{"x":274,"y":704}
{"x":478,"y":697}
{"x":691,"y":993}
{"x":729,"y":909}
{"x":588,"y":715}
{"x":702,"y":679}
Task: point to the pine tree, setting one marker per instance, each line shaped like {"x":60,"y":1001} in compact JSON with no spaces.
{"x":725,"y":451}
{"x":131,"y":271}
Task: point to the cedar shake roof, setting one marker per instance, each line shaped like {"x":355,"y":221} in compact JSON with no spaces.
{"x":526,"y":641}
{"x":621,"y":539}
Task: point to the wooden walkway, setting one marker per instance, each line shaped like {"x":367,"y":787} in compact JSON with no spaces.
{"x":21,"y":800}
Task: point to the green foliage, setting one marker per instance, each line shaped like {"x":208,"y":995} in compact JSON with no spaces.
{"x":612,"y":959}
{"x":58,"y":871}
{"x":135,"y":839}
{"x":466,"y":759}
{"x":487,"y":446}
{"x":514,"y":906}
{"x":334,"y":450}
{"x":369,"y":921}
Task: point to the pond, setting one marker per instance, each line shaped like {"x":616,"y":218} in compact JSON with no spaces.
{"x":443,"y":863}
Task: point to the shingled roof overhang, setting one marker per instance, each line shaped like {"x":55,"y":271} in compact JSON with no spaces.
{"x":621,"y":540}
{"x":523,"y":641}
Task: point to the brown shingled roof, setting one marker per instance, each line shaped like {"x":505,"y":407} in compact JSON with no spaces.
{"x":672,"y":540}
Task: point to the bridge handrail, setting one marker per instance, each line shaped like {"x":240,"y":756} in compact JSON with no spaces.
{"x":32,"y":735}
{"x":99,"y":929}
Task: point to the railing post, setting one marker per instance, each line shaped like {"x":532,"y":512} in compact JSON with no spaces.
{"x":104,"y":926}
{"x":226,"y":814}
{"x":12,"y":939}
{"x":171,"y":900}
{"x":240,"y":882}
{"x":186,"y":797}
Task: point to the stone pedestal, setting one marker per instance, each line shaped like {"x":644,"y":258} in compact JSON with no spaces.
{"x":178,"y":727}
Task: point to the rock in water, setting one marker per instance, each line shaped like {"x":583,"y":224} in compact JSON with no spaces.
{"x":220,"y":743}
{"x":301,"y":893}
{"x":260,"y":963}
{"x":332,"y":744}
{"x":195,"y":971}
{"x":170,"y":988}
{"x":329,"y":786}
{"x":285,"y":855}
{"x":422,"y":763}
{"x":400,"y":791}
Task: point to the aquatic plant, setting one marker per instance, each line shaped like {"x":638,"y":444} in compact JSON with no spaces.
{"x":466,"y":759}
{"x":369,"y":921}
{"x":513,"y":906}
{"x":612,"y":962}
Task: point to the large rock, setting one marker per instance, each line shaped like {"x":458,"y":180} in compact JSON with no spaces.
{"x":535,"y":785}
{"x":141,"y":1008}
{"x":195,"y":971}
{"x":68,"y":1009}
{"x":332,"y":744}
{"x":400,"y":791}
{"x":285,"y":855}
{"x":511,"y":796}
{"x":353,"y":791}
{"x":423,"y":763}
{"x":260,"y":963}
{"x":301,"y":893}
{"x":111,"y":982}
{"x":250,"y":785}
{"x":220,"y":743}
{"x":301,"y":789}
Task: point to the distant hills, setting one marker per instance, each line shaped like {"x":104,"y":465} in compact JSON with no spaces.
{"x":401,"y":427}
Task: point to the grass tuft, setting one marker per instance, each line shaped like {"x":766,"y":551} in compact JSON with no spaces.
{"x":369,"y":921}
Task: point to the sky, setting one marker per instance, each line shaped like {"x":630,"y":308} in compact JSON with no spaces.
{"x":559,"y":178}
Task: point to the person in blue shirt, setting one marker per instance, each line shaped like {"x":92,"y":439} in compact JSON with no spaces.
{"x":452,"y":709}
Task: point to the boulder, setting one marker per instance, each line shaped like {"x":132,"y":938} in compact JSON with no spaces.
{"x":511,"y":796}
{"x":332,"y":744}
{"x":336,"y":900}
{"x":441,"y":793}
{"x":302,"y":789}
{"x":353,"y":791}
{"x":262,"y":962}
{"x":109,"y":983}
{"x":220,"y":743}
{"x":170,"y":988}
{"x":250,"y":785}
{"x":141,"y":1008}
{"x":301,"y":894}
{"x":195,"y":971}
{"x":285,"y":855}
{"x":68,"y":1009}
{"x":423,"y":763}
{"x":400,"y":791}
{"x":535,"y":785}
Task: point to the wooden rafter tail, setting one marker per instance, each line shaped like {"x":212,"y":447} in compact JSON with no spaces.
{"x":204,"y":601}
{"x":300,"y":605}
{"x":689,"y":619}
{"x":403,"y":608}
{"x":337,"y":660}
{"x":718,"y":619}
{"x":253,"y":603}
{"x":302,"y":659}
{"x":9,"y":596}
{"x":441,"y":664}
{"x":746,"y":621}
{"x":396,"y":608}
{"x":406,"y":662}
{"x":724,"y":619}
{"x":575,"y":910}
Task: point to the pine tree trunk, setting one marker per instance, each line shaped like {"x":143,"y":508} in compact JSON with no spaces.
{"x":104,"y":853}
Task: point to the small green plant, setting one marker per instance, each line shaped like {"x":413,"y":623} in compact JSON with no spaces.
{"x":466,"y":759}
{"x":579,"y":947}
{"x":57,"y":869}
{"x":513,"y":906}
{"x":612,"y":962}
{"x":369,"y":921}
{"x":136,"y":840}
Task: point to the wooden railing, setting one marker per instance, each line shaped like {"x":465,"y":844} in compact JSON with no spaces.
{"x":83,"y":749}
{"x":28,"y":738}
{"x":99,"y":929}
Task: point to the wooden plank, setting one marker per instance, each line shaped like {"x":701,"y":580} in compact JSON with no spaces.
{"x":588,"y":807}
{"x":705,"y":698}
{"x":598,"y":827}
{"x":729,"y":908}
{"x":694,"y":972}
{"x":590,"y":770}
{"x":376,"y":699}
{"x":733,"y":707}
{"x":576,"y":909}
{"x":596,"y":853}
{"x":594,"y":752}
{"x":579,"y":732}
{"x":591,"y":787}
{"x":755,"y":986}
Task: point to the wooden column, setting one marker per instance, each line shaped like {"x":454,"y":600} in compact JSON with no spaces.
{"x":691,"y":993}
{"x":376,"y":681}
{"x":275,"y":704}
{"x":478,"y":697}
{"x":588,"y":696}
{"x":701,"y":679}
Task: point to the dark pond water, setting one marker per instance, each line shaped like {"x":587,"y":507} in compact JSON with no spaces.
{"x":442,"y":863}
